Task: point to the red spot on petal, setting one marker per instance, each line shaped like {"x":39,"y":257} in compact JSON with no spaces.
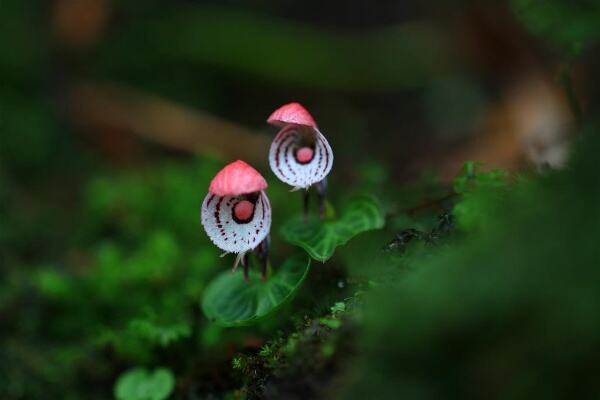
{"x":235,"y":179}
{"x":292,"y":113}
{"x":304,"y":155}
{"x":243,"y":210}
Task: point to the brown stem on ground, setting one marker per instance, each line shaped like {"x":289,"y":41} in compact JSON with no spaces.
{"x":98,"y":107}
{"x":306,"y":202}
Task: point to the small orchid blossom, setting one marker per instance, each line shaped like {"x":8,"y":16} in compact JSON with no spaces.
{"x":300,"y":155}
{"x":236,"y":213}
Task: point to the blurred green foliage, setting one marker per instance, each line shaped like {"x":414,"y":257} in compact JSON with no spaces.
{"x":135,"y":268}
{"x":31,"y":134}
{"x":571,"y":27}
{"x":508,"y":311}
{"x":277,"y":49}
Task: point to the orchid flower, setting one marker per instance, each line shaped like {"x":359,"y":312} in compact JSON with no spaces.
{"x":236,"y":213}
{"x":300,"y":155}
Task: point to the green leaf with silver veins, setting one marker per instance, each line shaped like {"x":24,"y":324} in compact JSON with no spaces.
{"x":320,"y":238}
{"x":231,"y":301}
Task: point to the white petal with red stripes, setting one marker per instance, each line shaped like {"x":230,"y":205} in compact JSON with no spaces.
{"x":300,"y":156}
{"x":237,"y":224}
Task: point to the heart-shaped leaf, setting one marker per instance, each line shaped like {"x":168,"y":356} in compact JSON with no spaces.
{"x":139,"y":384}
{"x":319,"y":239}
{"x":231,"y":301}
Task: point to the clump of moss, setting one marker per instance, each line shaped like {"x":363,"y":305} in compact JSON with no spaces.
{"x":304,"y":363}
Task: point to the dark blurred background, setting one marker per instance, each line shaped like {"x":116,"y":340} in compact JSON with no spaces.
{"x":416,"y":84}
{"x":115,"y":114}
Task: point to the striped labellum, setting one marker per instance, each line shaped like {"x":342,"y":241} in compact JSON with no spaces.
{"x":299,"y":155}
{"x":236,"y":213}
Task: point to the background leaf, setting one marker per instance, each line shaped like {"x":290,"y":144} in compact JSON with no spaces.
{"x":569,"y":26}
{"x":319,"y":239}
{"x":231,"y":301}
{"x":157,"y":333}
{"x":139,"y":384}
